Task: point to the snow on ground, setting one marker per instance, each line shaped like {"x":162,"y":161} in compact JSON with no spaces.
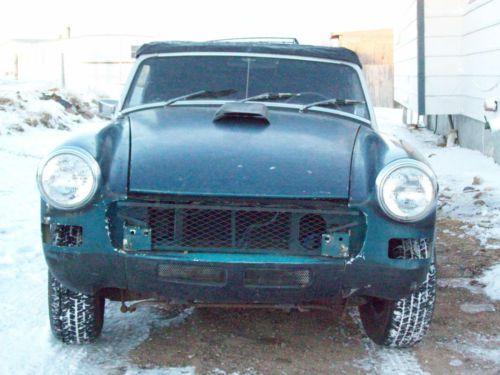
{"x":385,"y":361}
{"x":25,"y":105}
{"x":29,"y":121}
{"x":27,"y":346}
{"x":491,"y":279}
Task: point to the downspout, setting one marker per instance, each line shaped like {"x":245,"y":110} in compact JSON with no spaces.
{"x":421,"y":56}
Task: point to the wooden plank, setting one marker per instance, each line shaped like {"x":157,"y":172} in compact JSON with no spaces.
{"x":380,"y":82}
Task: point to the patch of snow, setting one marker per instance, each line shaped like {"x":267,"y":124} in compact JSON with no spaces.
{"x":25,"y":105}
{"x":481,"y":347}
{"x":495,"y":124}
{"x":385,"y":361}
{"x":162,"y":371}
{"x":486,"y":354}
{"x":218,"y":371}
{"x":460,"y":282}
{"x":27,"y":346}
{"x":456,"y":362}
{"x":475,"y":308}
{"x":491,"y":279}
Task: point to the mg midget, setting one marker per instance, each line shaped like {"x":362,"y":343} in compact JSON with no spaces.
{"x":240,"y":174}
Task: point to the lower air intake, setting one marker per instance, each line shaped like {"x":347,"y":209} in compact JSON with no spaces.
{"x":277,"y":278}
{"x":192,"y":274}
{"x":407,"y":248}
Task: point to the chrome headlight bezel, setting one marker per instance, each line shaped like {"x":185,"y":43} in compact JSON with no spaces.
{"x":88,"y":159}
{"x":386,"y":172}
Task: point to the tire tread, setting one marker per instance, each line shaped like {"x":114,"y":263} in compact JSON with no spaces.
{"x":75,"y":318}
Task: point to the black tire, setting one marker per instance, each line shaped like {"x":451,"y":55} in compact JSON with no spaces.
{"x":402,"y":323}
{"x":75,"y":318}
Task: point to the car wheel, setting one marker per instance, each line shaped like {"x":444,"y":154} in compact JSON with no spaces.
{"x":402,"y":323}
{"x":75,"y":318}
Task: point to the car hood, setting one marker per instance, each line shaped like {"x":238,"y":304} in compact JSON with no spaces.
{"x":181,"y":150}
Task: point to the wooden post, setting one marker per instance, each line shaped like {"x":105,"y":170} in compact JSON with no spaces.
{"x":16,"y":67}
{"x":63,"y":77}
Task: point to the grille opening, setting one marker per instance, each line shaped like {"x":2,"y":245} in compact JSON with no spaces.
{"x":230,"y":226}
{"x":311,"y":229}
{"x":256,"y":230}
{"x":62,"y":235}
{"x":206,"y":228}
{"x":277,"y":278}
{"x":409,"y":248}
{"x":167,"y":220}
{"x":192,"y":274}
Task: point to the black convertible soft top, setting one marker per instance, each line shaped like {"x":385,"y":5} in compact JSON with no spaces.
{"x":330,"y":53}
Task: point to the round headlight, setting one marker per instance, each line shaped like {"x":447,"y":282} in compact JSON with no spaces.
{"x":68,"y":178}
{"x":406,"y":190}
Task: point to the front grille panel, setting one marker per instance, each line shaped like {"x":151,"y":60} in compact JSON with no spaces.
{"x":230,"y":226}
{"x":311,"y":229}
{"x":206,"y":228}
{"x":257,"y":230}
{"x":167,"y":220}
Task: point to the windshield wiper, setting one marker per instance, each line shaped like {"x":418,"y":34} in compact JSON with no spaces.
{"x":332,"y":103}
{"x":200,"y":95}
{"x":270,"y":96}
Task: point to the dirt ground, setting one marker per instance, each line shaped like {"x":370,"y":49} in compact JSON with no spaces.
{"x":464,"y":337}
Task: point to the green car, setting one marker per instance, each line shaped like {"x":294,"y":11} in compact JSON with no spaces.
{"x":240,"y":174}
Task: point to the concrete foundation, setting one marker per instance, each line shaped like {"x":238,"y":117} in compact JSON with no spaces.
{"x":471,"y":133}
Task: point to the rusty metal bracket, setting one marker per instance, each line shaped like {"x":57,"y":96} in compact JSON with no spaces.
{"x":335,"y":245}
{"x":136,"y":238}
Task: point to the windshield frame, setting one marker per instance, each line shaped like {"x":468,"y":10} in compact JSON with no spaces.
{"x":121,"y":110}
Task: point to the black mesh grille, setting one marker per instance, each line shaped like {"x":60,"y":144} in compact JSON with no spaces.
{"x":205,"y":228}
{"x":255,"y":230}
{"x":275,"y":277}
{"x":311,"y":229}
{"x":180,"y":226}
{"x":166,"y":219}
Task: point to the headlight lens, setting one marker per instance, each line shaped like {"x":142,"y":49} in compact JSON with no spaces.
{"x":68,"y":178}
{"x":407,"y":190}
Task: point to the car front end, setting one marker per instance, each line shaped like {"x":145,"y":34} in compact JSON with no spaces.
{"x":292,"y":206}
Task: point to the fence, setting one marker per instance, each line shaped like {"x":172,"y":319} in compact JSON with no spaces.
{"x":97,"y":63}
{"x":380,"y":81}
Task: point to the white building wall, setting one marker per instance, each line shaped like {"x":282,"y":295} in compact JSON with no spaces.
{"x":462,"y":41}
{"x":480,"y":55}
{"x":462,"y":69}
{"x":443,"y":29}
{"x":405,"y":57}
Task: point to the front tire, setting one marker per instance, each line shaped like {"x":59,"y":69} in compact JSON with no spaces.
{"x":75,"y":318}
{"x":402,"y":323}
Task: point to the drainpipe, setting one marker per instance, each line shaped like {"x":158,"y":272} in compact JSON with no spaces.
{"x":421,"y":56}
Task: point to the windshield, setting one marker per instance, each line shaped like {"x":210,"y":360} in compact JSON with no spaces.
{"x":159,"y":79}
